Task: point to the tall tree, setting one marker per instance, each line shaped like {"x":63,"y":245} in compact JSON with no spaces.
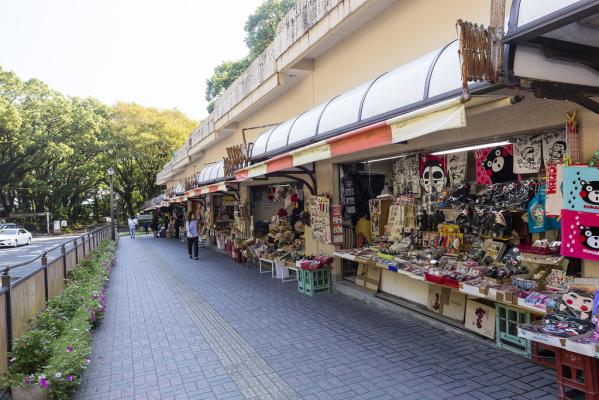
{"x":55,"y":150}
{"x":142,"y":141}
{"x":260,"y":30}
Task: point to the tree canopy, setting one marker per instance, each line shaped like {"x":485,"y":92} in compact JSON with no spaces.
{"x":55,"y":150}
{"x":260,"y":30}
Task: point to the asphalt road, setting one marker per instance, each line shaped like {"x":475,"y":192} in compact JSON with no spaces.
{"x":39,"y":245}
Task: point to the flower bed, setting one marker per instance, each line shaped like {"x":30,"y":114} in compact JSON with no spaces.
{"x":49,"y":359}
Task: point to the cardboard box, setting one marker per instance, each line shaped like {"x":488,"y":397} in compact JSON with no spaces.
{"x":528,"y":332}
{"x":435,"y":300}
{"x":582,"y":345}
{"x":480,"y":318}
{"x":454,"y":305}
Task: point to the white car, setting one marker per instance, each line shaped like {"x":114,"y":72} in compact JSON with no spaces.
{"x":14,"y":237}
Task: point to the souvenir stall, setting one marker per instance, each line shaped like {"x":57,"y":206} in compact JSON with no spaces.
{"x":222,"y":207}
{"x":277,"y":226}
{"x":473,"y":235}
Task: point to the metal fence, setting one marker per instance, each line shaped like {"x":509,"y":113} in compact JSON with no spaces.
{"x":22,"y":299}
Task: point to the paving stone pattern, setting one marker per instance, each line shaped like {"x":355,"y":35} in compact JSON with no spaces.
{"x":183,"y":329}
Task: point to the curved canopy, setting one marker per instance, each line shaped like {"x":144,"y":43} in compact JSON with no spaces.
{"x":211,"y":173}
{"x":425,"y":80}
{"x":544,"y":22}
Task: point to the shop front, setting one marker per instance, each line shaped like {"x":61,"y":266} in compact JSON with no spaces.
{"x":471,"y":203}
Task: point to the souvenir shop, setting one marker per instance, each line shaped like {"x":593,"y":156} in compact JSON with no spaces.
{"x":277,"y":227}
{"x":487,"y":236}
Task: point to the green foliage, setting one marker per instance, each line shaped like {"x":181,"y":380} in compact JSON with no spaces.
{"x":55,"y":150}
{"x":260,"y":30}
{"x":55,"y":351}
{"x":261,"y":26}
{"x":224,"y":75}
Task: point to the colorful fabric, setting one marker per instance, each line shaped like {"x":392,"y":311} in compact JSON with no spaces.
{"x":527,"y":155}
{"x":494,"y":165}
{"x":536,"y":212}
{"x":433,"y":172}
{"x":456,"y":168}
{"x":580,"y":235}
{"x":581,"y":188}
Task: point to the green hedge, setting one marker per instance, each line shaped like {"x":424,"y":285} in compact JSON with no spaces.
{"x":56,"y":350}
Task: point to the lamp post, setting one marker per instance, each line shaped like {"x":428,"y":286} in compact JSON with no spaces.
{"x":110,"y":172}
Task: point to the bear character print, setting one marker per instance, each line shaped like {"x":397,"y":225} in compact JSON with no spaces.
{"x":589,"y":191}
{"x":499,"y":165}
{"x":589,"y":237}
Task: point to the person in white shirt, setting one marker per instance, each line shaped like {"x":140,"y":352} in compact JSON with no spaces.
{"x":132,"y":222}
{"x":191,"y":226}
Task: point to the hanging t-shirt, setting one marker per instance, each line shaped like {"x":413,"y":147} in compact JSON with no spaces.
{"x":554,"y":148}
{"x":527,"y":155}
{"x":580,"y":235}
{"x":536,"y":212}
{"x":456,"y":168}
{"x":433,"y":172}
{"x":494,"y":164}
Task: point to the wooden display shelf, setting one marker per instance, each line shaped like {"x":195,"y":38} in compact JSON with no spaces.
{"x":531,"y":310}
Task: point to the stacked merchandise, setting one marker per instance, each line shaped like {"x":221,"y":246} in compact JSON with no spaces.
{"x":490,"y":223}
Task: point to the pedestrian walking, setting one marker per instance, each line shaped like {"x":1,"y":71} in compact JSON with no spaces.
{"x":132,"y":221}
{"x":191,"y":226}
{"x":155,"y":226}
{"x":147,"y":227}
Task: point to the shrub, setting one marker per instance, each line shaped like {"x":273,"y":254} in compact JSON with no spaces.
{"x":56,"y":350}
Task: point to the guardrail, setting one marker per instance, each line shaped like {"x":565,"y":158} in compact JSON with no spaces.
{"x":22,"y":299}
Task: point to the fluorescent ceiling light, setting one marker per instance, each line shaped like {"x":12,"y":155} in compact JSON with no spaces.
{"x":479,"y":146}
{"x":382,"y":159}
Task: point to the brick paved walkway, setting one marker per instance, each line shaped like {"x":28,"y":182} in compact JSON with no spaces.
{"x":183,"y":329}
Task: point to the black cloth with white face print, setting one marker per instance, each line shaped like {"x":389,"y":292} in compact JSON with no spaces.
{"x":433,"y":174}
{"x":498,"y":165}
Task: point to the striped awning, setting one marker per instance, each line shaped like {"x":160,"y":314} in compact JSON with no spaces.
{"x":213,"y":188}
{"x":444,"y":115}
{"x":177,"y":199}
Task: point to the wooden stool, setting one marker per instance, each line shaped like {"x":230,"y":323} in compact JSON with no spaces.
{"x":576,"y":374}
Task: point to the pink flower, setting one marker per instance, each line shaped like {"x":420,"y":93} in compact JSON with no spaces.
{"x":69,"y":349}
{"x":88,"y":360}
{"x":70,"y":378}
{"x":26,"y":380}
{"x":43,"y":383}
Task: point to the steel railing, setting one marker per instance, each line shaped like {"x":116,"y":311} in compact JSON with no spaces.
{"x":29,"y":301}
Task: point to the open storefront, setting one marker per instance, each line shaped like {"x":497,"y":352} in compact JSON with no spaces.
{"x":470,"y":203}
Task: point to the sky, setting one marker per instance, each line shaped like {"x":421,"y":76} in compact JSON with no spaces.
{"x":157,"y":53}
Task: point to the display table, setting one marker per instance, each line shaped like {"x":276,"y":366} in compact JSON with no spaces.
{"x":262,"y":261}
{"x":464,"y":289}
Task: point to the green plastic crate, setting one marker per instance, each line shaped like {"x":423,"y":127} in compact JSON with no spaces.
{"x":311,"y":282}
{"x":506,"y":325}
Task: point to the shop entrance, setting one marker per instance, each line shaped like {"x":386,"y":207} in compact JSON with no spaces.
{"x":359,"y":182}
